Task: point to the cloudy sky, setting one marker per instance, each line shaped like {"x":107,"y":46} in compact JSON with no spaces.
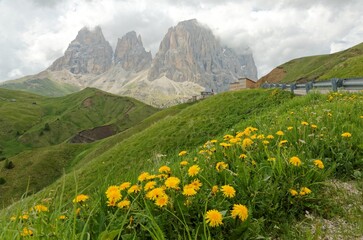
{"x":36,"y":32}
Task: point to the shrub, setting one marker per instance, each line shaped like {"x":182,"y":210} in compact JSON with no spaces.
{"x":2,"y":181}
{"x":8,"y":164}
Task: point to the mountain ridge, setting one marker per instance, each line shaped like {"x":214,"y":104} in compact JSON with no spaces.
{"x":343,"y":64}
{"x":172,"y":77}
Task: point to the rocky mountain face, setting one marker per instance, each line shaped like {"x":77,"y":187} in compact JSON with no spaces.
{"x":130,"y":53}
{"x":190,"y":60}
{"x":89,"y":53}
{"x":190,"y":52}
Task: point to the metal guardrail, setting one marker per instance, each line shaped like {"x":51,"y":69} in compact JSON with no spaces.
{"x":333,"y":84}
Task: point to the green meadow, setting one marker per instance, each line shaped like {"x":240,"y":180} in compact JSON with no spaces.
{"x":252,"y":164}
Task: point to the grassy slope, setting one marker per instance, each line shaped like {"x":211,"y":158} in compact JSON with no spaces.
{"x":344,"y":64}
{"x":192,"y":126}
{"x":23,"y":121}
{"x":187,"y":129}
{"x":45,"y":87}
{"x":36,"y":169}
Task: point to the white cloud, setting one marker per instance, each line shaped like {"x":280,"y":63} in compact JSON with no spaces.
{"x":39,"y":31}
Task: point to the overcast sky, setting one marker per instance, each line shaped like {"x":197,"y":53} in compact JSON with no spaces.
{"x":33,"y":33}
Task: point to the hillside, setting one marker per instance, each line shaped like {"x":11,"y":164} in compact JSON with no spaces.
{"x":344,"y":64}
{"x":34,"y":132}
{"x":33,"y":121}
{"x":40,"y":86}
{"x":270,"y":154}
{"x":42,"y":166}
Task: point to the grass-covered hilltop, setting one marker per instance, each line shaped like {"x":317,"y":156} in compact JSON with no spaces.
{"x":250,"y":164}
{"x":344,"y":64}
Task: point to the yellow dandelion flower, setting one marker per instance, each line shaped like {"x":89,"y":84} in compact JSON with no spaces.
{"x":361,"y":117}
{"x":227,"y":137}
{"x":189,"y":190}
{"x":270,"y":137}
{"x":183,"y":163}
{"x":319,"y":163}
{"x":172,"y":182}
{"x":134,"y":189}
{"x":124,"y":204}
{"x":155,"y":193}
{"x":151,"y":177}
{"x":265,"y":142}
{"x":213,"y":218}
{"x":304,"y":123}
{"x":295,"y":161}
{"x":142,"y":177}
{"x":162,"y":200}
{"x":290,"y":128}
{"x":225,"y":145}
{"x":271,"y":159}
{"x":193,"y":170}
{"x":240,"y":134}
{"x":80,"y":198}
{"x":304,"y":191}
{"x":228,"y":191}
{"x":164,"y":169}
{"x":234,"y":140}
{"x":346,"y":135}
{"x":124,"y":185}
{"x":161,"y":176}
{"x":313,"y":126}
{"x":260,"y":136}
{"x":214,"y":190}
{"x":202,"y":151}
{"x":12,"y":218}
{"x":280,"y":133}
{"x":41,"y":208}
{"x":196,"y":184}
{"x":213,"y":141}
{"x":24,"y":217}
{"x":113,"y":194}
{"x":240,"y":211}
{"x":243,"y":156}
{"x":293,"y":192}
{"x":282,"y":143}
{"x":247,"y":142}
{"x":150,"y":185}
{"x":62,"y":217}
{"x":221,"y":166}
{"x":26,"y":232}
{"x":182,"y":153}
{"x":254,"y":136}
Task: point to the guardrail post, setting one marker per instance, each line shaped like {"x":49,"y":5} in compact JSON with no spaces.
{"x":334,"y":84}
{"x":283,"y":86}
{"x":292,"y":87}
{"x":308,"y":87}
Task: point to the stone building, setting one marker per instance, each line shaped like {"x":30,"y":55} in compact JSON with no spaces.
{"x":242,"y":83}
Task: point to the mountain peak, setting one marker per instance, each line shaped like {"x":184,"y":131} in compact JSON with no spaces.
{"x":131,"y":54}
{"x":190,"y":52}
{"x":89,"y":52}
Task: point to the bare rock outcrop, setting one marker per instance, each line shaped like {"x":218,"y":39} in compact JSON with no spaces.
{"x":130,"y":53}
{"x":89,"y":52}
{"x":190,"y":52}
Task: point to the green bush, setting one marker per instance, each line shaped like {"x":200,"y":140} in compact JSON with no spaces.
{"x":2,"y":181}
{"x":8,"y":164}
